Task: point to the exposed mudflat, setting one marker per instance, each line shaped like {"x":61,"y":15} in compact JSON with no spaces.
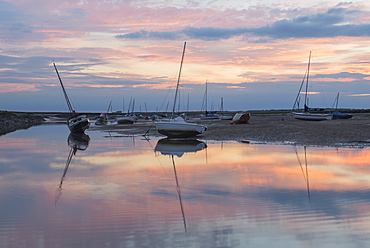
{"x":280,"y":129}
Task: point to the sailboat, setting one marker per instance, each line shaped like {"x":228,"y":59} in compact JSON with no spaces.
{"x":223,"y":115}
{"x":177,"y":127}
{"x":77,"y":123}
{"x":128,"y":118}
{"x":103,"y":117}
{"x":337,"y":114}
{"x":306,"y":114}
{"x":208,"y":115}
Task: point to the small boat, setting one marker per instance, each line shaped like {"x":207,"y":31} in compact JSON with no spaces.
{"x":224,"y":116}
{"x":308,"y":114}
{"x":102,"y":119}
{"x":178,"y":127}
{"x":77,"y":123}
{"x":340,"y":115}
{"x":127,"y":119}
{"x":241,"y":118}
{"x":337,"y":114}
{"x":208,"y":115}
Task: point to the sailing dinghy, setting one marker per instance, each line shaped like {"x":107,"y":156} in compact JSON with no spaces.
{"x":307,"y":114}
{"x":178,"y":127}
{"x":77,"y":123}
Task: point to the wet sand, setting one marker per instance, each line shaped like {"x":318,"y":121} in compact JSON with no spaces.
{"x":277,"y":129}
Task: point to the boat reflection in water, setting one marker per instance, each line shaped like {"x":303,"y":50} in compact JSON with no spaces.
{"x":76,"y":141}
{"x":178,"y":147}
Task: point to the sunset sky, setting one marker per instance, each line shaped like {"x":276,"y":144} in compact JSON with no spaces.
{"x":253,"y":54}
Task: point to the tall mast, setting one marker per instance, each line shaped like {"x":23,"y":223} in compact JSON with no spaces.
{"x":308,"y":74}
{"x":206,"y":94}
{"x":178,"y":80}
{"x":64,"y":91}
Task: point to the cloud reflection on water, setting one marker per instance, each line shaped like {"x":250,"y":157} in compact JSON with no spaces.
{"x":122,"y":191}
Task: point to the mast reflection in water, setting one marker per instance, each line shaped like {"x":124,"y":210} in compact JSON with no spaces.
{"x":178,"y":147}
{"x":120,"y":193}
{"x":76,"y":141}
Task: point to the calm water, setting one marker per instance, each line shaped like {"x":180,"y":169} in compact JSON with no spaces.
{"x":129,"y":192}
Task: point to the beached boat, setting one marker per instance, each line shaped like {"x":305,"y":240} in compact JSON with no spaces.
{"x":127,"y":119}
{"x":177,"y":127}
{"x":340,"y":115}
{"x":208,"y":115}
{"x":337,"y":114}
{"x":241,"y":118}
{"x":102,"y":119}
{"x":308,"y":114}
{"x":223,"y":115}
{"x":77,"y":123}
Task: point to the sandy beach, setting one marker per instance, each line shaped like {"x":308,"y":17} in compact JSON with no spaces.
{"x":277,"y":129}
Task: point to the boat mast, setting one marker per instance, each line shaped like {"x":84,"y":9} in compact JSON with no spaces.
{"x":222,"y":105}
{"x":64,"y":91}
{"x":308,"y":74}
{"x":336,"y":106}
{"x":178,"y":80}
{"x":206,"y":94}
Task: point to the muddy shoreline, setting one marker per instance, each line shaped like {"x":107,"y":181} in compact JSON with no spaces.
{"x":12,"y":121}
{"x":269,"y":128}
{"x":277,"y":129}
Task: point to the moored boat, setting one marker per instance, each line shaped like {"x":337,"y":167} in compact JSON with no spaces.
{"x":77,"y":123}
{"x":127,"y":119}
{"x":178,"y":127}
{"x":337,"y":114}
{"x":307,"y":114}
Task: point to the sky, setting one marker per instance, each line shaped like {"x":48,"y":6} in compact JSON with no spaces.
{"x":252,"y":55}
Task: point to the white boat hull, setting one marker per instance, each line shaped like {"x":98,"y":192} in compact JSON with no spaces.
{"x":179,"y":128}
{"x":311,"y":116}
{"x":126,"y":120}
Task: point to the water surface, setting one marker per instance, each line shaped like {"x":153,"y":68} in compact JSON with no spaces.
{"x":107,"y":190}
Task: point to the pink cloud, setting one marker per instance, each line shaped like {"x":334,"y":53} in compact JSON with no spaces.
{"x":17,"y":87}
